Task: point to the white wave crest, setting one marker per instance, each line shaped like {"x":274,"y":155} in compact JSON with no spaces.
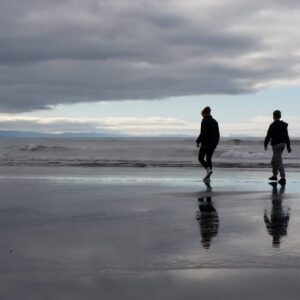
{"x":237,"y":154}
{"x":37,"y":147}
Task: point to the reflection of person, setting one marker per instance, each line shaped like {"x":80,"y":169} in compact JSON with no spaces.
{"x":279,"y":137}
{"x":208,"y":220}
{"x":277,"y":223}
{"x":208,"y":138}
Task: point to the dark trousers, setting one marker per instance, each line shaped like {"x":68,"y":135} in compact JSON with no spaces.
{"x":206,"y":152}
{"x":276,"y":162}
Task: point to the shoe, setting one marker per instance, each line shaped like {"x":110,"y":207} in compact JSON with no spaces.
{"x":273,"y":178}
{"x":209,"y":172}
{"x":273,"y":184}
{"x":282,"y":181}
{"x":206,"y":180}
{"x":208,"y":186}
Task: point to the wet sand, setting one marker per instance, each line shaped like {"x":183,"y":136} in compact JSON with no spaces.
{"x":74,"y":233}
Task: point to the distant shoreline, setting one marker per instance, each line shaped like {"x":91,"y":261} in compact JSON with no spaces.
{"x":6,"y":134}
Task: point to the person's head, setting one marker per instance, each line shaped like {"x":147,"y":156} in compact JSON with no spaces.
{"x":276,"y":115}
{"x":206,"y":111}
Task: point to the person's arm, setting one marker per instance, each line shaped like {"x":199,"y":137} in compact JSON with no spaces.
{"x":199,"y":139}
{"x":268,"y":223}
{"x":286,"y":220}
{"x":287,"y":140}
{"x":218,"y":133}
{"x":268,"y":137}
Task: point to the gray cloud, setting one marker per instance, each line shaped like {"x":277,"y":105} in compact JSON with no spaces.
{"x":78,"y":51}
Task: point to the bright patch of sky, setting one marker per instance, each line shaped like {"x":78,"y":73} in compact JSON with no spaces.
{"x":226,"y":108}
{"x":238,"y":115}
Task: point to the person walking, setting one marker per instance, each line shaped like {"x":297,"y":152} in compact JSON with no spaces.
{"x":208,"y":138}
{"x":279,"y":137}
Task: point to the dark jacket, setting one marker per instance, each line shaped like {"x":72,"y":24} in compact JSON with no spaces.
{"x":278,"y":133}
{"x":209,"y":132}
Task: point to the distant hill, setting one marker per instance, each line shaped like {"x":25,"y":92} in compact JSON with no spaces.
{"x":32,"y":134}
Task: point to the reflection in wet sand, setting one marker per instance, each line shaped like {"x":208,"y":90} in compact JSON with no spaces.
{"x":208,"y":220}
{"x":277,"y":221}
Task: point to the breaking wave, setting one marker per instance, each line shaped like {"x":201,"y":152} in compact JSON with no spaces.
{"x":237,"y":154}
{"x":136,"y":164}
{"x":136,"y":153}
{"x":37,"y":147}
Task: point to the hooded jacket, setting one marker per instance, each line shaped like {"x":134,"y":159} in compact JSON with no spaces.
{"x":278,"y":134}
{"x":209,"y":132}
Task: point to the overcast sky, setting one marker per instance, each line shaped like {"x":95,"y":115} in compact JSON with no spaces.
{"x":148,"y":67}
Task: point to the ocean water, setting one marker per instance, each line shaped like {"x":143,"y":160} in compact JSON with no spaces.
{"x":130,"y":231}
{"x":136,"y":152}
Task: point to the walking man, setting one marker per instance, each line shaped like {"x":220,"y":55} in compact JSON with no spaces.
{"x":278,"y":134}
{"x":208,"y":138}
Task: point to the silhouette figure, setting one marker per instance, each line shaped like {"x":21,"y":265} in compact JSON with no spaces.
{"x":277,"y":222}
{"x":208,"y":219}
{"x":208,"y":138}
{"x":279,"y":137}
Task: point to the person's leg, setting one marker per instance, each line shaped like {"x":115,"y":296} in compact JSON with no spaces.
{"x":274,"y":161}
{"x":277,"y":163}
{"x":201,"y":155}
{"x":280,"y":162}
{"x":209,"y":154}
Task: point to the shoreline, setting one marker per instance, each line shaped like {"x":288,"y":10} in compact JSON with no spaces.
{"x":139,"y":164}
{"x":118,"y":232}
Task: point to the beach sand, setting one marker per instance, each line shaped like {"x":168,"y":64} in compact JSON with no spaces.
{"x":133,"y":233}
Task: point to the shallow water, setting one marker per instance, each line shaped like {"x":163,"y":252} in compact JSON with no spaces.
{"x":59,"y":227}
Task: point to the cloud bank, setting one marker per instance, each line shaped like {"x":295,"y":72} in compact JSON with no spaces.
{"x":91,"y":50}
